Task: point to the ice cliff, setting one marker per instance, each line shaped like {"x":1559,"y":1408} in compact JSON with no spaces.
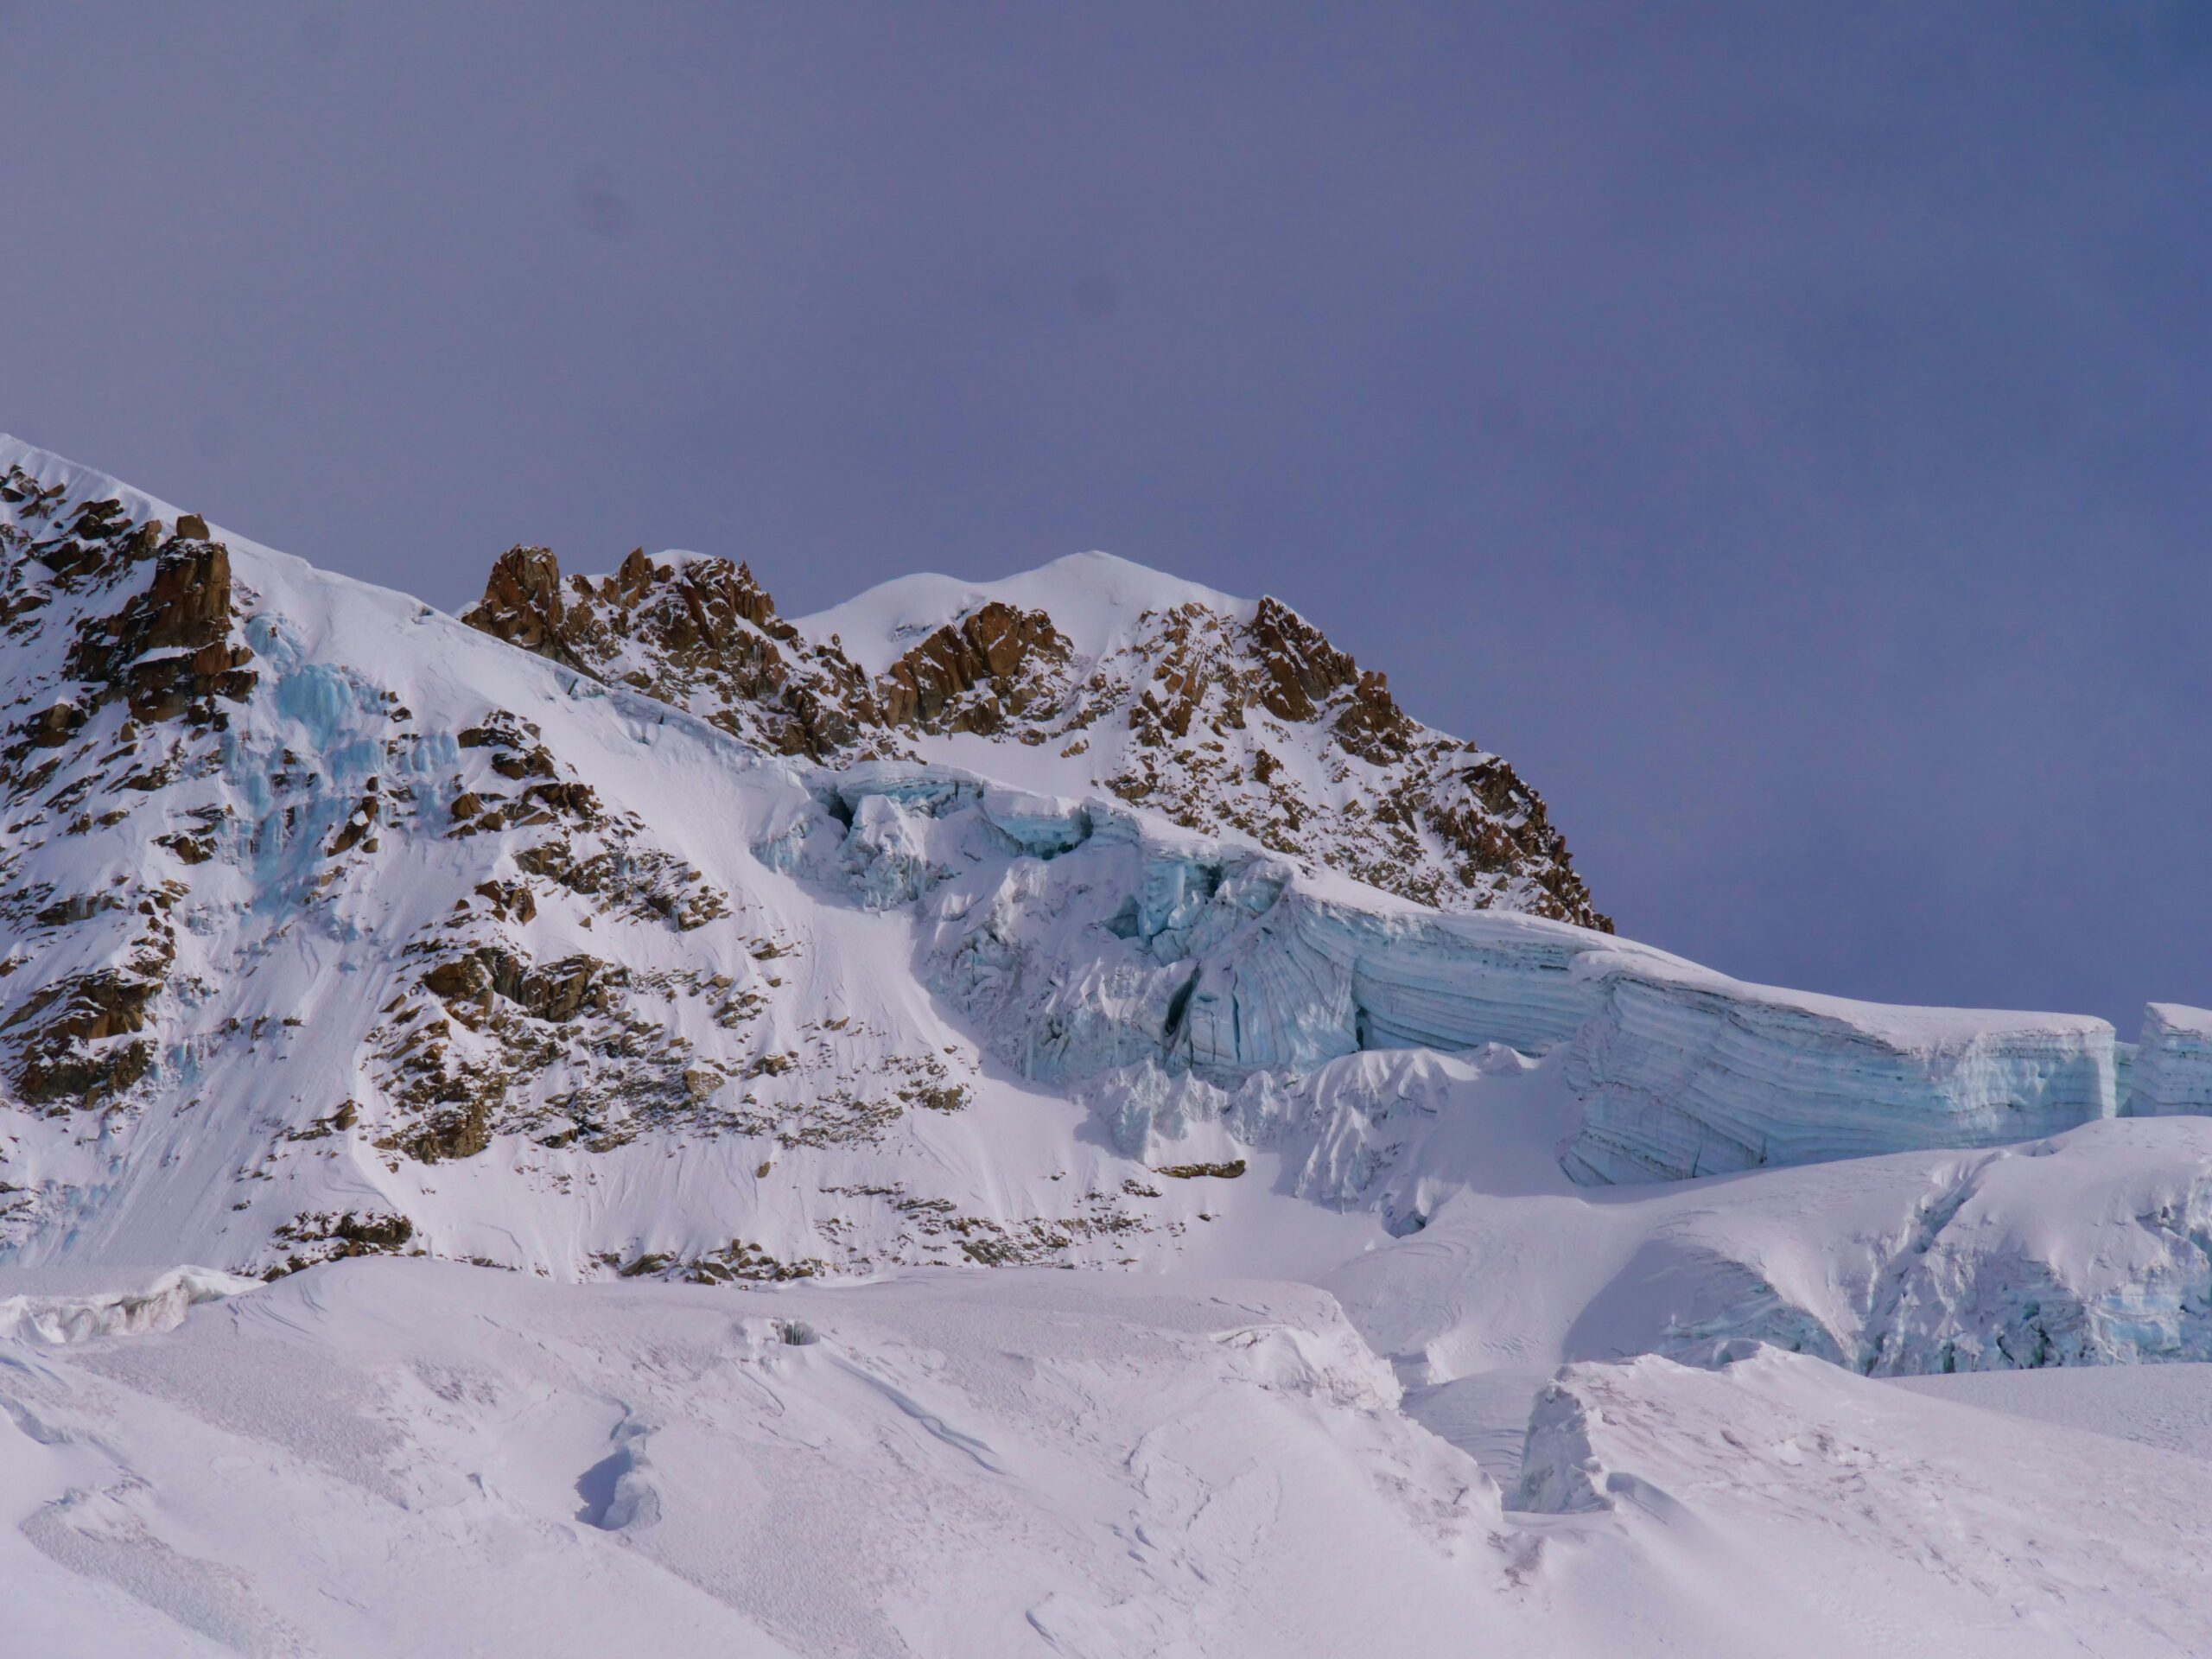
{"x":1082,"y":938}
{"x":1682,"y":1072}
{"x":2172,"y":1071}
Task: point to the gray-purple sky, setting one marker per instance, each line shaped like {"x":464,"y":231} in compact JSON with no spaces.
{"x":1782,"y":429}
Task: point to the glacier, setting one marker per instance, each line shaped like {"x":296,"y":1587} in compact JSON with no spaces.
{"x":1084,"y":939}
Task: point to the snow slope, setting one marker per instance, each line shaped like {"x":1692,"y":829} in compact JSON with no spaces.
{"x":1846,"y":1513}
{"x":2168,"y":1408}
{"x":381,"y":1457}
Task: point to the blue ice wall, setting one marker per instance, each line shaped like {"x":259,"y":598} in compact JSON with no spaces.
{"x":1081,"y":939}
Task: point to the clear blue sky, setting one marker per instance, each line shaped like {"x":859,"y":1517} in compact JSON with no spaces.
{"x":1781,"y":429}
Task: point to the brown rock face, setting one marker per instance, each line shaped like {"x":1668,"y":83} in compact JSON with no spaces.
{"x":171,"y":647}
{"x":189,"y":603}
{"x":557,"y":994}
{"x":68,"y":1055}
{"x":987,"y":653}
{"x":1486,"y":816}
{"x":461,"y":1131}
{"x":1302,"y":667}
{"x":522,"y":602}
{"x":703,"y":633}
{"x":51,"y":728}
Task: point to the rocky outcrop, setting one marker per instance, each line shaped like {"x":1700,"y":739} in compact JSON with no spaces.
{"x":522,"y":602}
{"x":1302,"y":668}
{"x":1397,"y":805}
{"x":976,"y":675}
{"x":68,"y":1059}
{"x":466,"y":985}
{"x":701,"y":633}
{"x":51,"y":728}
{"x":101,"y":606}
{"x":169,"y":648}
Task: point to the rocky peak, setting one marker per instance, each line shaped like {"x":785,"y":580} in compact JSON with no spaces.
{"x":698,"y":632}
{"x":522,"y":599}
{"x":1219,"y":716}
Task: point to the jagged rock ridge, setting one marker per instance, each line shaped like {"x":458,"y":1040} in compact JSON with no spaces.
{"x":1220,"y":716}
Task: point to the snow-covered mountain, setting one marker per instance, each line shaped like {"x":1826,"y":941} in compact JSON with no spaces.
{"x":956,"y":924}
{"x":624,"y":930}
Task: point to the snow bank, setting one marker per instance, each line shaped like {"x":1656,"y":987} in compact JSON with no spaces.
{"x":56,"y":1321}
{"x":1890,"y":1513}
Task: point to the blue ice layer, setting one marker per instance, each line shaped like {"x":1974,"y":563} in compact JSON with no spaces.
{"x":1081,"y":940}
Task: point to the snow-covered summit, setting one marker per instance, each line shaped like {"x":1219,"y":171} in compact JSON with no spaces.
{"x":1095,"y":600}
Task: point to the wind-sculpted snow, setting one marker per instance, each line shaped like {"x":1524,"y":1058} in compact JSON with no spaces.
{"x":1821,"y":1485}
{"x":58,"y":1320}
{"x":2173,"y":1062}
{"x":397,"y":1458}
